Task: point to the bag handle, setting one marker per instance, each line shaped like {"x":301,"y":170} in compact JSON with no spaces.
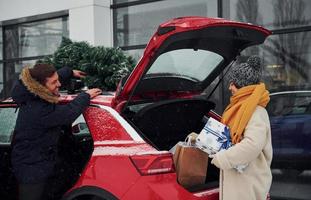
{"x":191,"y":138}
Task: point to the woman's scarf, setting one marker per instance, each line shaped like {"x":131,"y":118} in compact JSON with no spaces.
{"x":242,"y":105}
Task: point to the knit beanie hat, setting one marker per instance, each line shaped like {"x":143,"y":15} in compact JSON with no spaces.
{"x":248,"y":73}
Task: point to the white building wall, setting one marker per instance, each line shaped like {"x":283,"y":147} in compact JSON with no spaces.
{"x":89,"y":20}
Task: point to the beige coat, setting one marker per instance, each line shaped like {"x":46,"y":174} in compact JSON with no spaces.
{"x":256,"y":150}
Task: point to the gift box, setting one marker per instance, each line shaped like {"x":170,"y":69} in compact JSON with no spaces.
{"x":213,"y":137}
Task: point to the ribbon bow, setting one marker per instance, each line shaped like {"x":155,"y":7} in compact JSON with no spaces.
{"x":225,"y":139}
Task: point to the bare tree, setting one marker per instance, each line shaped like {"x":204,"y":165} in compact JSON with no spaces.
{"x":291,"y":49}
{"x":247,"y":11}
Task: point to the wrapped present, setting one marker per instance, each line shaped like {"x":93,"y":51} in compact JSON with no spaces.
{"x":213,"y":137}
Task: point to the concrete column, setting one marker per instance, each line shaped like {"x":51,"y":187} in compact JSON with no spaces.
{"x":92,"y":23}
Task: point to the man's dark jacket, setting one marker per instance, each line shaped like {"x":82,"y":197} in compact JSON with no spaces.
{"x":38,"y":126}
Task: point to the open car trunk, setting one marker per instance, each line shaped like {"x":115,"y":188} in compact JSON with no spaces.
{"x":163,"y":97}
{"x":165,"y":123}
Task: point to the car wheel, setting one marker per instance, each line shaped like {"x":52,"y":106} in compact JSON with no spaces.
{"x":89,"y":197}
{"x":89,"y":193}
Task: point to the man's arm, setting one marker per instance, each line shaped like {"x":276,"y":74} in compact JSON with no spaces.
{"x":255,"y":137}
{"x":65,"y":114}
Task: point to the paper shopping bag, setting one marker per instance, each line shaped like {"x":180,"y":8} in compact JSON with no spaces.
{"x":191,"y":165}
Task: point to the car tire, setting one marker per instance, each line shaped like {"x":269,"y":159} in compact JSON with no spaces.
{"x":89,"y":198}
{"x":89,"y":193}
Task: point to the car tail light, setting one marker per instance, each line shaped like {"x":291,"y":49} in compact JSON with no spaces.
{"x":149,"y":164}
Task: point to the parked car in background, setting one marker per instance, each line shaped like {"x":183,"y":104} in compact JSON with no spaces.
{"x":118,"y":148}
{"x":290,"y":118}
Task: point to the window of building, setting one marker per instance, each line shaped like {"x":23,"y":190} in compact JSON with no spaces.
{"x":1,"y":62}
{"x":34,"y":39}
{"x":124,"y":1}
{"x":286,"y":61}
{"x":24,"y":43}
{"x":1,"y":77}
{"x":135,"y":24}
{"x":1,"y":44}
{"x":272,"y":14}
{"x":135,"y":53}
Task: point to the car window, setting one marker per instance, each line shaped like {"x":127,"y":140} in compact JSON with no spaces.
{"x":187,"y":63}
{"x":303,"y":104}
{"x":7,"y":124}
{"x":79,"y":126}
{"x":290,"y":104}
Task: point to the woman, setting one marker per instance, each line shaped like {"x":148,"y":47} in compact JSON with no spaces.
{"x":250,"y":132}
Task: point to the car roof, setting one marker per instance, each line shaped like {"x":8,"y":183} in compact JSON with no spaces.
{"x":290,"y":92}
{"x":104,"y":99}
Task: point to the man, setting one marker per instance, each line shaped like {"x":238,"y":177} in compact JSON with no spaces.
{"x":38,"y":125}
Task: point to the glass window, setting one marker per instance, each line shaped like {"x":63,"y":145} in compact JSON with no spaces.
{"x":1,"y":44}
{"x":286,"y":61}
{"x":7,"y":124}
{"x":33,"y":39}
{"x":36,"y":38}
{"x":272,"y":14}
{"x":195,"y":65}
{"x":122,"y":1}
{"x":136,"y":24}
{"x":11,"y":73}
{"x":1,"y":80}
{"x":136,"y":53}
{"x":79,"y":127}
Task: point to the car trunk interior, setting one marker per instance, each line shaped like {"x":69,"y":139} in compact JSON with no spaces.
{"x":165,"y":123}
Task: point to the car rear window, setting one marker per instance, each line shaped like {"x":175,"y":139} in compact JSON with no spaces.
{"x":186,"y":63}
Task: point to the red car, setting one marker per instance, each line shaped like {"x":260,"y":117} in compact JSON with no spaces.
{"x":119,"y":148}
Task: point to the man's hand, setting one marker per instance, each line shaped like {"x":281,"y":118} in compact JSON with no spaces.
{"x":211,"y":155}
{"x":78,"y":74}
{"x":94,"y":92}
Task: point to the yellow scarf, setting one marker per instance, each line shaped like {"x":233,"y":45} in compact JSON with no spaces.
{"x":241,"y":107}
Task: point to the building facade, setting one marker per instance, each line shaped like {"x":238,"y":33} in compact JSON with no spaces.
{"x":30,"y":30}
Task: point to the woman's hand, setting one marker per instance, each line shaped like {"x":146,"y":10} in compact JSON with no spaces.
{"x":94,"y":92}
{"x":78,"y":74}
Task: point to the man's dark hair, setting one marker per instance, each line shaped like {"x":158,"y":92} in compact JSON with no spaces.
{"x":40,"y":72}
